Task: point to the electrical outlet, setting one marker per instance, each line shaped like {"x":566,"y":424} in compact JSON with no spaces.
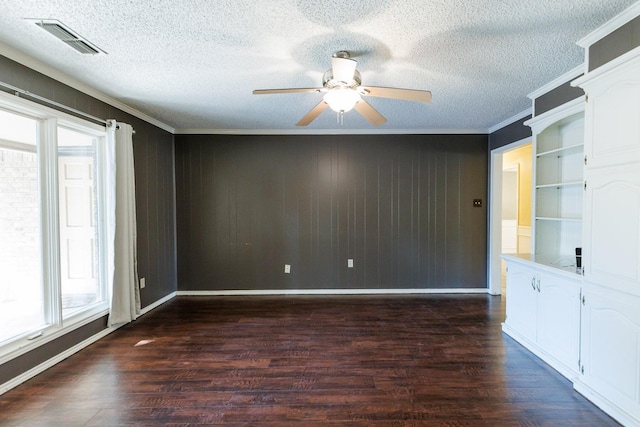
{"x":477,"y":203}
{"x":287,"y":268}
{"x":143,"y":283}
{"x":350,"y":263}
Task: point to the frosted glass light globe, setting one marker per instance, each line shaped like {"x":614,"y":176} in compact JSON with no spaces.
{"x":342,"y":100}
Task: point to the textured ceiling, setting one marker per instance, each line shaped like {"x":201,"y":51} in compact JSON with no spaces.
{"x":193,"y":64}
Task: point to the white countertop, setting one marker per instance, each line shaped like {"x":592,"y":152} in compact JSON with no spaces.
{"x":565,"y":265}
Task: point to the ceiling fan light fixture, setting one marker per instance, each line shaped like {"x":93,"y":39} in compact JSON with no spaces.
{"x":342,"y":100}
{"x":344,"y":92}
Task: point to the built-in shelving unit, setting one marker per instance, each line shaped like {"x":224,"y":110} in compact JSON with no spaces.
{"x":586,"y":322}
{"x":558,"y":184}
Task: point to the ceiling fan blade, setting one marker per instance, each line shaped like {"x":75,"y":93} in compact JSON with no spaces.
{"x":343,"y":69}
{"x":369,"y":113}
{"x":397,"y":93}
{"x":311,"y":115}
{"x":290,"y":90}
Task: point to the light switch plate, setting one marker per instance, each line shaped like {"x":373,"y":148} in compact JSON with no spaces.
{"x":287,"y":268}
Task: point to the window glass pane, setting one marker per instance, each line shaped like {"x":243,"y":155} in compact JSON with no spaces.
{"x":72,"y":138}
{"x":21,"y":291}
{"x":14,"y":127}
{"x":77,"y":211}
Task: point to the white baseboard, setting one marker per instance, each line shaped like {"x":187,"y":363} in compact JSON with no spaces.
{"x":14,"y":382}
{"x":244,"y":292}
{"x":54,"y":360}
{"x":157,"y":303}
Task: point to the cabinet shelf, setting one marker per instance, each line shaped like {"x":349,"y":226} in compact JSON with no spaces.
{"x":563,"y":151}
{"x":550,"y":218}
{"x":560,"y":184}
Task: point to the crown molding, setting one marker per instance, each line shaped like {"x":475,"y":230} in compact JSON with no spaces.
{"x":34,"y":64}
{"x":547,"y":118}
{"x":558,"y":81}
{"x":329,"y":132}
{"x":511,"y":120}
{"x":610,"y":26}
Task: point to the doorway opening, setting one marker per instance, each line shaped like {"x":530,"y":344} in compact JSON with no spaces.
{"x":510,"y":214}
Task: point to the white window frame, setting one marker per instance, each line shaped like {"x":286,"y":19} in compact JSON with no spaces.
{"x":56,"y":326}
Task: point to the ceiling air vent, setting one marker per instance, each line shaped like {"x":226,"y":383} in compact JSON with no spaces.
{"x":67,"y":36}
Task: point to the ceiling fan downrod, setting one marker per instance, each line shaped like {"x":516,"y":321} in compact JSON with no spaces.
{"x":341,"y":54}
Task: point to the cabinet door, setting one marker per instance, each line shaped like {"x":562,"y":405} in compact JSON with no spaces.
{"x":612,"y":117}
{"x":610,"y":347}
{"x":612,"y":228}
{"x":521,"y":300}
{"x":559,"y":318}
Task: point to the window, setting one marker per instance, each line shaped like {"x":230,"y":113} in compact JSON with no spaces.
{"x":52,"y":244}
{"x":79,"y":240}
{"x":21,"y":292}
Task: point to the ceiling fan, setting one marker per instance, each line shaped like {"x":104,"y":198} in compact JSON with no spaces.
{"x":343,"y":91}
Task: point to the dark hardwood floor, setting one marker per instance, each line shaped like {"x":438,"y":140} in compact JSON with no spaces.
{"x":306,"y":361}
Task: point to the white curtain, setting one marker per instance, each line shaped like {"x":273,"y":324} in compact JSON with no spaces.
{"x":123,"y":262}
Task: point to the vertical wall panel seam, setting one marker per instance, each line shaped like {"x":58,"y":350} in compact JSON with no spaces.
{"x":378,"y":231}
{"x":336,"y":258}
{"x":411,"y":228}
{"x":395,"y":219}
{"x":364,"y":229}
{"x":446,"y":218}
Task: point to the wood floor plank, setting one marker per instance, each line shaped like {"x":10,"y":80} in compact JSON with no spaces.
{"x":306,"y":360}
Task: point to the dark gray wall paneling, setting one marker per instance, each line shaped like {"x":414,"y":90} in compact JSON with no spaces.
{"x":400,"y":206}
{"x":513,"y":132}
{"x":556,"y":97}
{"x":153,"y":157}
{"x":619,"y":42}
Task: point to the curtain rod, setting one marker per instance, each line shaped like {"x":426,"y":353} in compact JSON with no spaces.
{"x":19,"y":91}
{"x":111,"y":122}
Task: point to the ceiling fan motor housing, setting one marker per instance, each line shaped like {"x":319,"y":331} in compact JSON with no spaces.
{"x":329,"y":82}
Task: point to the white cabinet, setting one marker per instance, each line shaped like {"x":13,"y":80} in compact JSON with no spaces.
{"x":522,"y":300}
{"x":610,"y":328}
{"x":613,"y":115}
{"x":558,"y":182}
{"x":612,"y":177}
{"x":587,"y":327}
{"x":610,"y":355}
{"x":612,"y":228}
{"x":543,"y":312}
{"x":559,"y":319}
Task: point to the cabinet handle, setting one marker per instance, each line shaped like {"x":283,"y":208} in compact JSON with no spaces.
{"x":533,"y":282}
{"x":538,"y":283}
